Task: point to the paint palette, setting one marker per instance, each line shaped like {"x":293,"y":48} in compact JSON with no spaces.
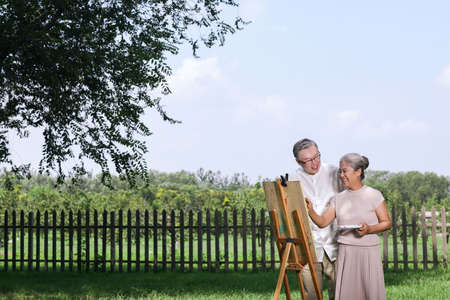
{"x":349,"y":226}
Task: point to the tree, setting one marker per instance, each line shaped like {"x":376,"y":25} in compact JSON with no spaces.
{"x":411,"y":188}
{"x":86,"y":72}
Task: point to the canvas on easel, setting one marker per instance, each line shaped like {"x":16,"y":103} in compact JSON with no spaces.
{"x":290,"y":223}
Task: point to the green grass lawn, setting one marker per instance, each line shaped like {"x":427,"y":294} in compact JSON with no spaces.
{"x":432,"y":284}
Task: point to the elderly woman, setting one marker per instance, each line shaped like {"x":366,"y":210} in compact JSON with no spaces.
{"x":361,"y":213}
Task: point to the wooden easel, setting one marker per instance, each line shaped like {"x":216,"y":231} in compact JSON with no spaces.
{"x":295,"y":244}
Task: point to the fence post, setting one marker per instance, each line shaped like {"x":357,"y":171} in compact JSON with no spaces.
{"x":5,"y":241}
{"x":244,"y":239}
{"x":414,"y":235}
{"x":191,"y":240}
{"x":38,"y":240}
{"x":208,"y":239}
{"x":225,"y":238}
{"x":54,"y":254}
{"x":45,"y":241}
{"x":14,"y":242}
{"x":22,"y":237}
{"x":112,"y":248}
{"x":172,"y":241}
{"x":200,"y":240}
{"x":424,"y":239}
{"x":164,"y":240}
{"x":272,"y":247}
{"x":70,"y":241}
{"x":120,"y":240}
{"x":444,"y":236}
{"x":146,"y":233}
{"x":182,"y":240}
{"x":104,"y":238}
{"x":62,"y":243}
{"x":385,"y":250}
{"x":394,"y":237}
{"x":95,"y":240}
{"x":155,"y":240}
{"x":217,"y":238}
{"x":30,"y":241}
{"x":87,"y":242}
{"x":433,"y":237}
{"x":253,"y":229}
{"x":263,"y":238}
{"x":79,"y":240}
{"x":138,"y":240}
{"x":235,"y":240}
{"x":129,"y":240}
{"x":405,"y":239}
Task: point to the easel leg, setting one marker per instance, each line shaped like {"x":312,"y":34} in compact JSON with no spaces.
{"x":308,"y":256}
{"x":282,"y":271}
{"x":300,"y":283}
{"x":315,"y":280}
{"x":287,"y":290}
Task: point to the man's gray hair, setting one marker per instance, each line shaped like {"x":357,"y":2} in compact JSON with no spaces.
{"x":356,"y":161}
{"x":303,"y":144}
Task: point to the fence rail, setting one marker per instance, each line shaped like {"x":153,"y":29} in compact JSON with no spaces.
{"x":187,"y":241}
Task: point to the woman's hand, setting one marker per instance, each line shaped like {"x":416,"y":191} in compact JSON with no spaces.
{"x":363,"y":230}
{"x":384,"y":222}
{"x":326,"y":218}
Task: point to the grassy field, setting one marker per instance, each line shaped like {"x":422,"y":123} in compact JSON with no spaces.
{"x":433,"y":284}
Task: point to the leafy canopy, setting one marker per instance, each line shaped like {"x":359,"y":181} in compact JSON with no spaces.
{"x":86,"y":71}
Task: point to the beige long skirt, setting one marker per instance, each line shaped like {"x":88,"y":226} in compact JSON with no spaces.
{"x":359,"y":273}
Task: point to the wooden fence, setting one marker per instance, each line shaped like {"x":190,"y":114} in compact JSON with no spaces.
{"x":202,"y":241}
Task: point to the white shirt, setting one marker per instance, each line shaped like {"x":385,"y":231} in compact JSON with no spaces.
{"x":320,"y":188}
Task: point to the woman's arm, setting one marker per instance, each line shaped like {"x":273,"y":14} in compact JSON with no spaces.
{"x":384,"y":221}
{"x":325,"y":219}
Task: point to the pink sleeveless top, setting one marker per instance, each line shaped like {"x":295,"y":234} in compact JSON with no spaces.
{"x":354,"y":207}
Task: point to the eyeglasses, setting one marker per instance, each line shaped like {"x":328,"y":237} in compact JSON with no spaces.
{"x":310,"y":161}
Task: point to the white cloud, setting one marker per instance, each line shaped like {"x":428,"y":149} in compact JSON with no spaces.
{"x":279,"y":28}
{"x":347,"y":117}
{"x":270,"y":107}
{"x":393,"y":128}
{"x":274,"y":106}
{"x":355,"y":123}
{"x":195,"y":75}
{"x":244,"y":113}
{"x":252,"y":10}
{"x":444,"y":77}
{"x":202,"y":80}
{"x":413,"y":126}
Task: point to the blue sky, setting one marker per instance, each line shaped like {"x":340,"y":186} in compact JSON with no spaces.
{"x":356,"y":76}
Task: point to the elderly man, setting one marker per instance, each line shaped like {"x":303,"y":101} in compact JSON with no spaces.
{"x":320,"y":182}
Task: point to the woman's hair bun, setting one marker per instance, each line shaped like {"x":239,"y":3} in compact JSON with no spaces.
{"x":365,"y":161}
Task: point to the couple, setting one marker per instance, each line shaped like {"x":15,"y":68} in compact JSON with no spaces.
{"x":349,"y":258}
